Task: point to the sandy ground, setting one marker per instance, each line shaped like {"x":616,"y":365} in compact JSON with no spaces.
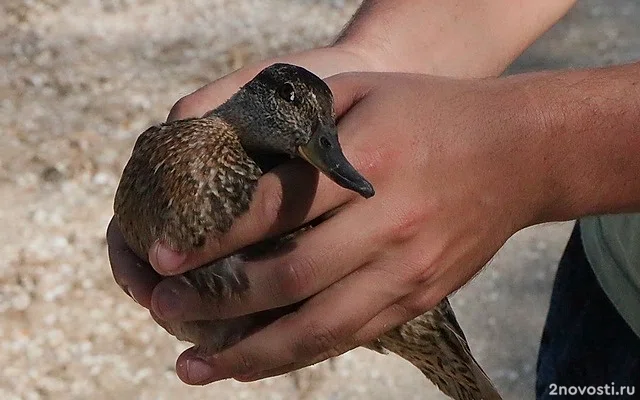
{"x":80,"y":79}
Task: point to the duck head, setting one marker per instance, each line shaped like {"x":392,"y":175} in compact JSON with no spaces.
{"x":286,"y":109}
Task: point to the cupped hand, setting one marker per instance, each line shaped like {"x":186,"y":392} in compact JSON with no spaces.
{"x":134,"y":275}
{"x":455,"y":176}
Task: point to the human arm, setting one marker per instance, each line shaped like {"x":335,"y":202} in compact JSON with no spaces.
{"x":324,"y":61}
{"x":465,"y":38}
{"x":443,"y":50}
{"x":589,"y":125}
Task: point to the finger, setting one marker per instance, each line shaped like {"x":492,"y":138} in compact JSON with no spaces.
{"x":284,"y":199}
{"x":389,"y":318}
{"x":349,"y":88}
{"x":335,"y":352}
{"x":132,"y":274}
{"x":325,"y":321}
{"x":319,"y":61}
{"x":211,"y":95}
{"x":406,"y":309}
{"x":159,"y":321}
{"x":424,"y":297}
{"x":318,"y":258}
{"x":288,"y":196}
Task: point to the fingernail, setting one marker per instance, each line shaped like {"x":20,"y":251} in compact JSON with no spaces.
{"x":199,"y":372}
{"x":130,"y":292}
{"x":163,"y":259}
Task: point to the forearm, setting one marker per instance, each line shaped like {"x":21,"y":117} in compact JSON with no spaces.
{"x":586,"y":138}
{"x":465,"y":38}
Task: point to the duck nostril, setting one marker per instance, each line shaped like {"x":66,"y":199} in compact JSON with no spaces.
{"x":325,"y":143}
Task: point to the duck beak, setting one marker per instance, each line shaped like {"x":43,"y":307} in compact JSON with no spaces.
{"x":323,"y":151}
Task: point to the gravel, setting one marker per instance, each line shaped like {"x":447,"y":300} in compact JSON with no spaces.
{"x":80,"y":80}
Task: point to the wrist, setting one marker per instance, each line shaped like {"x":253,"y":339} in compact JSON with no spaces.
{"x":580,"y":140}
{"x":519,"y":150}
{"x":545,"y":141}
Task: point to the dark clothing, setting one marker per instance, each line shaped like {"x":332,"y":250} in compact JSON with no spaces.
{"x":585,"y":344}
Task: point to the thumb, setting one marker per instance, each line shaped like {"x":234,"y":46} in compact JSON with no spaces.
{"x":211,"y":95}
{"x":322,"y":62}
{"x":349,"y":88}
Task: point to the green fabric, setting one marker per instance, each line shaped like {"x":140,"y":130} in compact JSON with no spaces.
{"x":612,"y":246}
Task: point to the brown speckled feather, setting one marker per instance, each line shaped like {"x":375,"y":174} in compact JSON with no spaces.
{"x":435,"y":343}
{"x":187,"y":179}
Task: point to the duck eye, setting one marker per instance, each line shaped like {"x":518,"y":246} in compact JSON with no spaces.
{"x":287,"y":92}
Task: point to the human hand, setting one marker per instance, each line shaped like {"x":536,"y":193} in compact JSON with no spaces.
{"x":471,"y":45}
{"x":454,"y":179}
{"x":134,"y":275}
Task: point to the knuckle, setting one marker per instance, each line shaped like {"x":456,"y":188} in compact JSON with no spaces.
{"x":245,"y":363}
{"x":415,"y":271}
{"x":404,"y":269}
{"x":317,"y":340}
{"x":426,"y":273}
{"x":407,"y":310}
{"x":405,"y":223}
{"x":295,"y":278}
{"x":417,"y":267}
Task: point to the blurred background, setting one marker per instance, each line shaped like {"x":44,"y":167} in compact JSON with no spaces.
{"x":80,"y":79}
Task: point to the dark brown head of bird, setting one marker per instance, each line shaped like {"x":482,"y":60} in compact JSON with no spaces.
{"x":287,"y":109}
{"x":188,"y":178}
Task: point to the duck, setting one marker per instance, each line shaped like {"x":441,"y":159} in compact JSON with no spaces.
{"x":188,"y":180}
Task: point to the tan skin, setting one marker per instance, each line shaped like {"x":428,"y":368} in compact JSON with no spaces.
{"x":458,"y":167}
